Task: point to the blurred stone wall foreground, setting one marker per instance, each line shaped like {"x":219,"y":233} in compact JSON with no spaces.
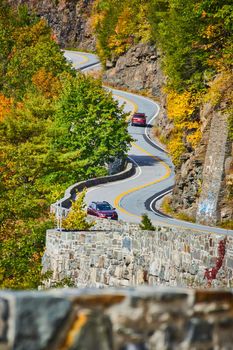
{"x":145,"y":318}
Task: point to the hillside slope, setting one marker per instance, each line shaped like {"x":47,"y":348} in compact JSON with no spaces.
{"x":179,"y":52}
{"x":69,"y":20}
{"x":192,"y":42}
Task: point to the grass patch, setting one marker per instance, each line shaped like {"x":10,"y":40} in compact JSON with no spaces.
{"x":166,"y":208}
{"x":157,"y":133}
{"x":227,"y":225}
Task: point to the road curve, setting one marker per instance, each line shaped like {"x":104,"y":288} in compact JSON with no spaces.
{"x":154,"y":175}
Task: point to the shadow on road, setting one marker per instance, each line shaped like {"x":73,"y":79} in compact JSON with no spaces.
{"x":143,"y":160}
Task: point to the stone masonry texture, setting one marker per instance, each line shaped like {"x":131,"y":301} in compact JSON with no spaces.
{"x":142,"y":318}
{"x":120,"y":254}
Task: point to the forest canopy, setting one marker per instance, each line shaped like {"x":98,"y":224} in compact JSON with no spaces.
{"x":195,"y":43}
{"x":57,"y":127}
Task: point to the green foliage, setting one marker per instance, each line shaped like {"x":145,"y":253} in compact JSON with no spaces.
{"x":76,"y":218}
{"x":175,"y":29}
{"x":32,"y":50}
{"x":146,"y":223}
{"x":194,"y":36}
{"x":51,"y":126}
{"x":21,"y":250}
{"x":90,"y":125}
{"x":118,"y":25}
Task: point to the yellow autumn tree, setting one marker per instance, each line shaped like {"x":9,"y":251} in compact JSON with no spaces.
{"x":77,"y":217}
{"x":180,"y":109}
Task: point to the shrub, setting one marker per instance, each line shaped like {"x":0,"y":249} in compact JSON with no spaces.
{"x":76,"y":219}
{"x":146,"y":223}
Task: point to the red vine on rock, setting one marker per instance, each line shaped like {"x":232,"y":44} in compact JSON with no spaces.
{"x":210,"y":274}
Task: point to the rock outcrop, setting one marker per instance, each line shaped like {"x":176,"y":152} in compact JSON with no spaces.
{"x":201,"y":182}
{"x":137,"y":70}
{"x":69,"y":20}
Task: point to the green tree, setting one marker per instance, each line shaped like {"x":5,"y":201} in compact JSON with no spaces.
{"x":90,"y":127}
{"x":146,"y":223}
{"x":33,"y":50}
{"x":21,"y":249}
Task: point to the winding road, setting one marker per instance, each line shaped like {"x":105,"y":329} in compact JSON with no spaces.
{"x":154,"y":175}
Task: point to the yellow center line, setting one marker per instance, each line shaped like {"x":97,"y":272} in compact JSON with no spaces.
{"x":165,"y":176}
{"x":84,"y":58}
{"x":135,"y":106}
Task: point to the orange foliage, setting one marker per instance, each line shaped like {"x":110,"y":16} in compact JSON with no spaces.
{"x":46,"y":83}
{"x":54,"y":37}
{"x":5,"y":106}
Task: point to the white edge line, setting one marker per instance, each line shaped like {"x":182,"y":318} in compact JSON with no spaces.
{"x":115,"y":182}
{"x":90,"y":68}
{"x":158,"y":197}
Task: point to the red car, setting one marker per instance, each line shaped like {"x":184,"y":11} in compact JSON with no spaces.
{"x":102,"y":210}
{"x":138,"y":119}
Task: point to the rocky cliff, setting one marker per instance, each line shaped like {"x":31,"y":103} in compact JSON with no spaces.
{"x":69,"y":20}
{"x":204,"y":180}
{"x":137,"y":70}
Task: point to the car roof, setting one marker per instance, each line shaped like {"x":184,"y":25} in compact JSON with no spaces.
{"x":98,"y":202}
{"x":139,"y":115}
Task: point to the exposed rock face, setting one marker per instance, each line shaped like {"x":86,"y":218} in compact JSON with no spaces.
{"x":200,"y":188}
{"x":137,"y":70}
{"x":213,"y":172}
{"x":69,"y":20}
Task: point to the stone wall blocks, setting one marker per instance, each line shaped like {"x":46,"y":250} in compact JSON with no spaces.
{"x":159,"y":260}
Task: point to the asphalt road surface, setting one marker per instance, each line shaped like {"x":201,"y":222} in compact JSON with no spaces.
{"x":154,"y":175}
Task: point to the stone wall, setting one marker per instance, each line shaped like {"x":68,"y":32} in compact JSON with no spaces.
{"x":118,"y":254}
{"x":135,"y":319}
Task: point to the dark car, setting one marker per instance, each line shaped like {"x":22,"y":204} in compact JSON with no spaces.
{"x":138,"y":119}
{"x":102,"y":210}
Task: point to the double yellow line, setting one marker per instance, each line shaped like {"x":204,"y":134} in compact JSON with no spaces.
{"x":84,"y":57}
{"x":135,"y":106}
{"x":165,"y":176}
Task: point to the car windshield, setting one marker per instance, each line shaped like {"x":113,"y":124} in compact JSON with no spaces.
{"x":104,"y":206}
{"x":139,"y":116}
